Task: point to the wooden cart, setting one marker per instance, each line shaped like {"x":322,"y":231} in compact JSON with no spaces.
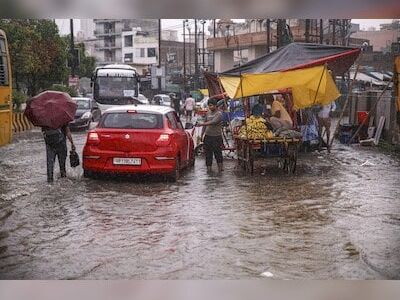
{"x":287,"y":150}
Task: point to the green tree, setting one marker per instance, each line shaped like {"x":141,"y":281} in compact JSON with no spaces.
{"x":38,"y":53}
{"x":87,"y":63}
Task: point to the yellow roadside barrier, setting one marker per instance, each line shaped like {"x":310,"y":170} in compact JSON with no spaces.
{"x":20,"y":122}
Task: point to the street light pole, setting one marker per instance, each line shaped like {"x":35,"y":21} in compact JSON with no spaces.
{"x":203,"y":46}
{"x":214,"y":33}
{"x":190,"y":49}
{"x":268,"y":35}
{"x":72,"y":46}
{"x":196,"y":58}
{"x":159,"y":55}
{"x":184,"y":56}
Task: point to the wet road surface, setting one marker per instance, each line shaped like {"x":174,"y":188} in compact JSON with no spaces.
{"x":338,"y":217}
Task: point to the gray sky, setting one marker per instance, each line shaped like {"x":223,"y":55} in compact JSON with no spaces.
{"x":176,"y":24}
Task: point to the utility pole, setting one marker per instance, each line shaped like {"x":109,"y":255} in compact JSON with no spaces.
{"x":72,"y":47}
{"x":190,"y":50}
{"x":321,"y":31}
{"x":214,"y":32}
{"x":159,"y":43}
{"x":184,"y":56}
{"x":203,"y":46}
{"x":159,"y":54}
{"x":307,"y":33}
{"x":268,"y":35}
{"x":196,"y":58}
{"x":280,"y":32}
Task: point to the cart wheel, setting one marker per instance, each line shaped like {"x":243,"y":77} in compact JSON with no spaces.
{"x":282,"y":163}
{"x":250,"y":160}
{"x":291,"y":166}
{"x":243,"y":163}
{"x":292,"y":159}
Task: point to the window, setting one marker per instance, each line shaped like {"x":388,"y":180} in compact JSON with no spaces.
{"x":132,"y":121}
{"x":139,"y":52}
{"x":83,"y":104}
{"x":128,"y":42}
{"x":151,"y":52}
{"x":128,"y":57}
{"x":172,"y":120}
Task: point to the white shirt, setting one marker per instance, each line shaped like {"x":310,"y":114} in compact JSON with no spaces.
{"x":326,"y":109}
{"x":189,"y":103}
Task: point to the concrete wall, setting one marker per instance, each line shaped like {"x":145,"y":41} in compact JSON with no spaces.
{"x":223,"y":60}
{"x":364,"y":101}
{"x":379,"y":39}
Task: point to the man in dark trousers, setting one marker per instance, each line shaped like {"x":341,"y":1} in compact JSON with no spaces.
{"x":176,"y":102}
{"x":212,"y":135}
{"x":56,"y":145}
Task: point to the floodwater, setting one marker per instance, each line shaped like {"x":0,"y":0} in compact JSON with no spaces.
{"x":338,"y":217}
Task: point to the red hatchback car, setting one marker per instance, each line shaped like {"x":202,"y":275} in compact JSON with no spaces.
{"x":138,"y":139}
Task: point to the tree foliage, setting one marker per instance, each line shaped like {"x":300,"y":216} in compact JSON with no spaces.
{"x":38,"y":53}
{"x":87,"y":63}
{"x":66,"y":89}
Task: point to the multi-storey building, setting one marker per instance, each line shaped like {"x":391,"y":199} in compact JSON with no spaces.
{"x":139,"y":49}
{"x":236,"y":43}
{"x":109,"y":35}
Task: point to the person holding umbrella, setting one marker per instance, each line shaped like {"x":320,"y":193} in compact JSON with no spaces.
{"x":52,"y":111}
{"x":56,"y":146}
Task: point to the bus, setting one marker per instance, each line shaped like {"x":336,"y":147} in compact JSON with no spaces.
{"x":115,"y":85}
{"x":5,"y":92}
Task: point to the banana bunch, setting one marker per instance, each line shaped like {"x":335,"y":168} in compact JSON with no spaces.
{"x":256,"y":129}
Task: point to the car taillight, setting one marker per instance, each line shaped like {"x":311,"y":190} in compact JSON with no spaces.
{"x":163,"y":140}
{"x":93,"y":138}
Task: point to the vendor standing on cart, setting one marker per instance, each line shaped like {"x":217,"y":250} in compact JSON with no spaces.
{"x":280,"y":118}
{"x":212,"y":135}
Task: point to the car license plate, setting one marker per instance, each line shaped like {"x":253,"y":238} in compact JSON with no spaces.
{"x":127,"y":161}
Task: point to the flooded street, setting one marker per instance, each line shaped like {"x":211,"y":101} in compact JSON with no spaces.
{"x":338,"y":217}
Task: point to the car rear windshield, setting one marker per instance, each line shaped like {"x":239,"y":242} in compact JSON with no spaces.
{"x":132,"y":120}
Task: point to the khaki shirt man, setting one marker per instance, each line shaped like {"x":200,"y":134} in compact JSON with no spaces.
{"x":280,"y":117}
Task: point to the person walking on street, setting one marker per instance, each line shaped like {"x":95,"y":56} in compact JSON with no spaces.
{"x":324,"y":120}
{"x":189,"y":107}
{"x":176,"y":102}
{"x":56,"y":146}
{"x":212,"y":135}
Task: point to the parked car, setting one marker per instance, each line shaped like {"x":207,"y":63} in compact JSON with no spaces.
{"x":87,"y":112}
{"x":138,"y":139}
{"x":162,"y":99}
{"x":142,"y":98}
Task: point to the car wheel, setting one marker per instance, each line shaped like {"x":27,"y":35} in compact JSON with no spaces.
{"x":87,"y":174}
{"x":177,"y":171}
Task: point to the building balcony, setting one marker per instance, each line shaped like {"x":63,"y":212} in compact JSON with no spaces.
{"x":107,"y":47}
{"x":106,"y":20}
{"x":257,"y":39}
{"x":109,"y":32}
